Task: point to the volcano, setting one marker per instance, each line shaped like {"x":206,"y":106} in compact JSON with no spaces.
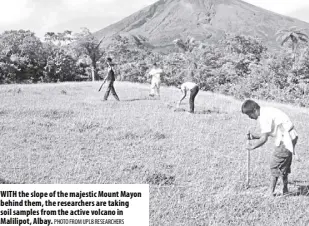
{"x":207,"y":20}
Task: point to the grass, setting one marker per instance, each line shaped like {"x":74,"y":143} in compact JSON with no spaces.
{"x":195,"y":164}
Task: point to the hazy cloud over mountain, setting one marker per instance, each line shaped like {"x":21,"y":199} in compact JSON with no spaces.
{"x":284,"y":7}
{"x":41,"y":16}
{"x":302,"y":14}
{"x":58,"y":15}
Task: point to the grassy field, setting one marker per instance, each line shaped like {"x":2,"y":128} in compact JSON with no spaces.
{"x":195,"y":163}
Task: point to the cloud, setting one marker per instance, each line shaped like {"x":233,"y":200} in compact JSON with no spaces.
{"x":279,"y":6}
{"x":13,"y":11}
{"x":301,"y":14}
{"x":43,"y":16}
{"x":48,"y":22}
{"x":82,"y":5}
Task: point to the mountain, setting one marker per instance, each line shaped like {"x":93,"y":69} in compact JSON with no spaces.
{"x":167,"y":20}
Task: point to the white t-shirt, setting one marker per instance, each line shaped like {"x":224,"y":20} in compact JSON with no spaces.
{"x":187,"y":86}
{"x":277,"y":124}
{"x":156,"y":73}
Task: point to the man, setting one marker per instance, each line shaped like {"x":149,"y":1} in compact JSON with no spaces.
{"x":275,"y":123}
{"x":110,"y":78}
{"x":193,"y":88}
{"x":155,"y":73}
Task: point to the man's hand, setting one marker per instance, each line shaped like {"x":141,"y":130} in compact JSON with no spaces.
{"x":249,"y":135}
{"x":262,"y":140}
{"x":297,"y":158}
{"x":249,"y":147}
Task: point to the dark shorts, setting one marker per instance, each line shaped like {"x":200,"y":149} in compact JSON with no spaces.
{"x":281,"y":161}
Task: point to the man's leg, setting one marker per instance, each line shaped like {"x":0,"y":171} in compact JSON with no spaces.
{"x":281,"y":165}
{"x":193,"y":94}
{"x":285,"y":174}
{"x":273,"y":185}
{"x":107,"y":91}
{"x":274,"y":169}
{"x":152,"y":88}
{"x":285,"y":184}
{"x":158,"y":89}
{"x":114,"y":92}
{"x":191,"y":103}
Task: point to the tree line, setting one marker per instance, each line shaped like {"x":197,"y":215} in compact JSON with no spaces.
{"x":236,"y":65}
{"x":65,"y":56}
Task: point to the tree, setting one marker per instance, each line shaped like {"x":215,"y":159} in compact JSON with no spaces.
{"x":187,"y":46}
{"x":294,"y":36}
{"x":59,"y":59}
{"x":134,"y":56}
{"x":20,"y":54}
{"x":190,"y":56}
{"x":85,"y":43}
{"x":244,"y":51}
{"x":60,"y":38}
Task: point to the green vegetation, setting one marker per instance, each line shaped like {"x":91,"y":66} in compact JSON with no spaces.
{"x":195,"y":164}
{"x":293,"y":35}
{"x":238,"y":65}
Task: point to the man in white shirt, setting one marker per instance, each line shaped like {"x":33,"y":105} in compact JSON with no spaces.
{"x":275,"y":123}
{"x":193,"y":88}
{"x":155,"y":73}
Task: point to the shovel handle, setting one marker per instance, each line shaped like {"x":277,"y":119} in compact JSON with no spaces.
{"x":248,"y":162}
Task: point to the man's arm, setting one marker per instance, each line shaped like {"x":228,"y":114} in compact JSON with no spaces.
{"x":149,"y":76}
{"x":262,"y":140}
{"x":253,"y":136}
{"x":104,"y":80}
{"x":183,"y":97}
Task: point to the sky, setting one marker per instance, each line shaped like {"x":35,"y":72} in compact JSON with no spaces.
{"x":41,"y":16}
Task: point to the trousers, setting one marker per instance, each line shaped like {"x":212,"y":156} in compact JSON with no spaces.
{"x":155,"y":87}
{"x":111,"y":88}
{"x":193,"y":94}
